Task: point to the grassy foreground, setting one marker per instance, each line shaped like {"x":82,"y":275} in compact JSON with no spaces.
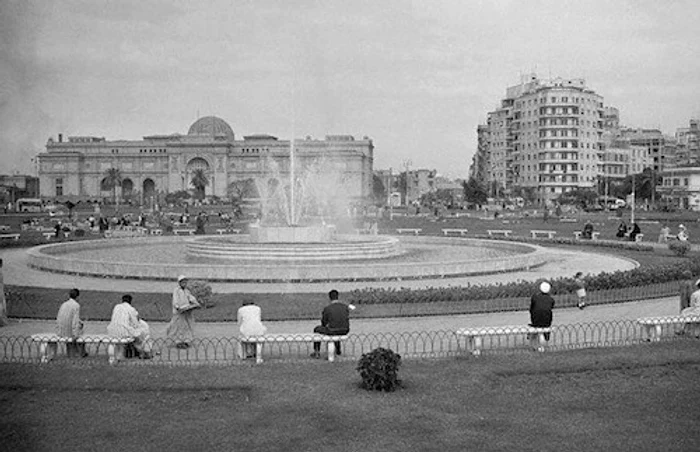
{"x":642,"y":398}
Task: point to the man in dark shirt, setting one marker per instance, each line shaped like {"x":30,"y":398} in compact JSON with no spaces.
{"x":541,"y":305}
{"x":335,"y":321}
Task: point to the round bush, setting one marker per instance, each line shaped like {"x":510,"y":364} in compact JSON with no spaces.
{"x":379,"y":370}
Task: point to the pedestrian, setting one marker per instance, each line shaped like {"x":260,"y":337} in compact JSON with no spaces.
{"x":580,"y":290}
{"x":181,"y":327}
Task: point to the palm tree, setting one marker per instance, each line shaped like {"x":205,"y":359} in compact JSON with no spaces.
{"x":113,"y":179}
{"x":199,"y":181}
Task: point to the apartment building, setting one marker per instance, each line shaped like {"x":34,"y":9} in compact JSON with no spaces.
{"x":544,"y":138}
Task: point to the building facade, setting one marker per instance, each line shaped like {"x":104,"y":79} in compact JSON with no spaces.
{"x":76,"y":168}
{"x":544,"y":139}
{"x":680,"y":187}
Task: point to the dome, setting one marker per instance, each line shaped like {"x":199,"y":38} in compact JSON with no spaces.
{"x":211,"y":125}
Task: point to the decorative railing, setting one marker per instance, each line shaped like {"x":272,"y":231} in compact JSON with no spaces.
{"x":410,"y":345}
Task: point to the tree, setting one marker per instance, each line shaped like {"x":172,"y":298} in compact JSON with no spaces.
{"x":199,"y":181}
{"x":474,"y":192}
{"x":241,"y":189}
{"x":174,"y":198}
{"x":580,"y":197}
{"x":378,"y":189}
{"x":113,"y":179}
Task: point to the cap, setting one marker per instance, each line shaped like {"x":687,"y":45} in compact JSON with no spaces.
{"x":545,"y":287}
{"x":181,"y":277}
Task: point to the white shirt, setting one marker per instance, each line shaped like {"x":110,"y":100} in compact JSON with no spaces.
{"x":250,"y":321}
{"x":124,"y":322}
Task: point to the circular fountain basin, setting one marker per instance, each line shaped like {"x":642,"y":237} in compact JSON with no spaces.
{"x":163,"y":258}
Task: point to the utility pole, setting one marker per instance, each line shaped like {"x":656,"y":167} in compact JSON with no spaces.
{"x":407,"y":163}
{"x":389,"y":193}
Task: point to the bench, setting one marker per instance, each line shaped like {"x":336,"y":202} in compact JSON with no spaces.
{"x":461,"y":232}
{"x":156,"y":232}
{"x":5,"y":228}
{"x":475,"y":335}
{"x":183,"y":231}
{"x":285,"y":339}
{"x":568,"y":220}
{"x":595,"y":236}
{"x":228,"y":231}
{"x":48,"y":235}
{"x":503,"y":232}
{"x":9,"y":236}
{"x":638,"y":238}
{"x":549,"y":234}
{"x":48,"y":344}
{"x":652,"y":325}
{"x":414,"y":231}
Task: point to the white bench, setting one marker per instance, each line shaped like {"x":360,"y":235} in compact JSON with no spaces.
{"x":5,"y":228}
{"x":228,"y":231}
{"x":638,"y":238}
{"x":503,"y":232}
{"x":449,"y":231}
{"x":183,"y":231}
{"x":652,"y":325}
{"x":475,"y":335}
{"x":48,"y":344}
{"x":156,"y":232}
{"x":595,"y":235}
{"x":550,"y":234}
{"x":414,"y":231}
{"x":9,"y":236}
{"x":285,"y":339}
{"x":568,"y":220}
{"x":48,"y":235}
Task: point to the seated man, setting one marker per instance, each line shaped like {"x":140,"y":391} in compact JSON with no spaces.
{"x":335,"y":321}
{"x":125,"y":323}
{"x":68,"y":324}
{"x":249,"y":318}
{"x":588,"y":230}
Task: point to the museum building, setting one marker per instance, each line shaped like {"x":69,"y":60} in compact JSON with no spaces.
{"x":76,"y":167}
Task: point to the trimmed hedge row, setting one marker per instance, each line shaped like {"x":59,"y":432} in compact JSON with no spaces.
{"x":603,"y":281}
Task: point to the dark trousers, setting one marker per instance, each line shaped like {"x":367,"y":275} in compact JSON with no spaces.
{"x":329,"y":332}
{"x":75,"y":350}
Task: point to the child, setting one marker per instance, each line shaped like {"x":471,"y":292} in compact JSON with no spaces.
{"x":580,"y":290}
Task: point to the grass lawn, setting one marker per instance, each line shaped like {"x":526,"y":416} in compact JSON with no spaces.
{"x":642,"y":398}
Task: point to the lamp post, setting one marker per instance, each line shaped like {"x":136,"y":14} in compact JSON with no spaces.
{"x":407,"y":163}
{"x":388,"y":194}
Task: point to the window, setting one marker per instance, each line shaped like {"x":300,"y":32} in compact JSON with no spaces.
{"x":59,"y":186}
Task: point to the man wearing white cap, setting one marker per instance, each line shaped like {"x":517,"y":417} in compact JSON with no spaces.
{"x":541,"y":305}
{"x":181,"y":325}
{"x":682,"y":233}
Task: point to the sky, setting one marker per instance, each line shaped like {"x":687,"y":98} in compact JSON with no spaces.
{"x":416,"y":77}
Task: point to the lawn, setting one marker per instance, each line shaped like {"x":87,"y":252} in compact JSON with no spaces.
{"x":641,"y":398}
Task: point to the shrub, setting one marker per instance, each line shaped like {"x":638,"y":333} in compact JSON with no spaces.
{"x":379,"y":370}
{"x":201,"y":291}
{"x":79,"y":233}
{"x":679,"y":248}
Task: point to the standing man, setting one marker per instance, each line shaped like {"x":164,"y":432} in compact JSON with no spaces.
{"x":181,"y":325}
{"x":68,"y":324}
{"x":125,"y":323}
{"x":541,"y":305}
{"x":335,"y":321}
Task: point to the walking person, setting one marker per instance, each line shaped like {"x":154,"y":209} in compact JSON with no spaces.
{"x":580,"y":290}
{"x":181,"y":327}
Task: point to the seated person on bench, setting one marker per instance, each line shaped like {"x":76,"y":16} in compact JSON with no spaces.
{"x":587,"y":230}
{"x":125,"y":323}
{"x":68,"y":324}
{"x":249,"y":318}
{"x":335,"y":321}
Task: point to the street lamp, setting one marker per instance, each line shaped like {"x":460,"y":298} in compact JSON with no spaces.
{"x":406,"y":164}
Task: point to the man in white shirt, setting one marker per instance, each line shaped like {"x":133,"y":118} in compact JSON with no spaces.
{"x":125,"y":323}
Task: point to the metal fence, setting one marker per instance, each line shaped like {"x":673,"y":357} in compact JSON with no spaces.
{"x":410,"y":345}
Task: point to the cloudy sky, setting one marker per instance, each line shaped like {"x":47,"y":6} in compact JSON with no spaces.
{"x":415,"y":76}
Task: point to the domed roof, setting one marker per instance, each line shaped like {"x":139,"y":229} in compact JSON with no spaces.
{"x":211,"y":125}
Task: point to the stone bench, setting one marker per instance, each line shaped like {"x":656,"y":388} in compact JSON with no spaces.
{"x":653,"y":325}
{"x":475,"y":335}
{"x":5,"y":228}
{"x":414,"y":231}
{"x":48,"y":344}
{"x":449,"y":231}
{"x":228,"y":231}
{"x":9,"y":236}
{"x":638,"y":238}
{"x":183,"y":231}
{"x":156,"y":232}
{"x":286,"y":339}
{"x":48,"y":235}
{"x":536,"y":233}
{"x":503,"y":232}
